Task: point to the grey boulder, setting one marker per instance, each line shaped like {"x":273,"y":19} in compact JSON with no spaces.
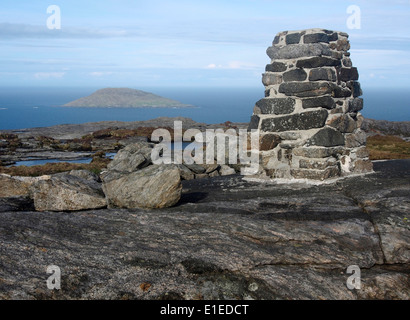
{"x":156,"y":186}
{"x":66,"y":192}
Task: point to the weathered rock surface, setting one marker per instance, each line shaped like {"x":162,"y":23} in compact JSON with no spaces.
{"x":133,"y":157}
{"x":303,"y":121}
{"x":132,"y":181}
{"x":13,"y":187}
{"x":155,"y":186}
{"x":66,"y":192}
{"x":226,"y":239}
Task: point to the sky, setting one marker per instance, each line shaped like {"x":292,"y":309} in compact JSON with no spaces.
{"x":124,"y":43}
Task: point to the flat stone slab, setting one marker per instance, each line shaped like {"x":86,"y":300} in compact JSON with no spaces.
{"x":302,"y":121}
{"x":226,"y":239}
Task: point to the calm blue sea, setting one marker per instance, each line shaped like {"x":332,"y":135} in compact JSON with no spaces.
{"x":38,"y":107}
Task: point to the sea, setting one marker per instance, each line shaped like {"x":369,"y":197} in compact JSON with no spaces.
{"x":41,"y":107}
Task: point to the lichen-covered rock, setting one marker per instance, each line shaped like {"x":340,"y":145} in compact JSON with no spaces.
{"x":155,"y":186}
{"x":275,"y":106}
{"x":133,"y":157}
{"x":12,"y":186}
{"x":303,"y":121}
{"x":65,"y":192}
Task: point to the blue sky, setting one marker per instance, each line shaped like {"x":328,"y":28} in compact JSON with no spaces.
{"x":187,"y":43}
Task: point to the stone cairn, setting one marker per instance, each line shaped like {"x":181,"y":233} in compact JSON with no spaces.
{"x":309,"y":121}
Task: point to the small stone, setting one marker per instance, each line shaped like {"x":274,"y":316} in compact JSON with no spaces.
{"x":355,"y":105}
{"x":317,"y":152}
{"x":355,"y":88}
{"x":294,"y":51}
{"x":226,"y":170}
{"x":330,"y":172}
{"x":315,"y":38}
{"x":317,"y":164}
{"x":276,"y":67}
{"x":362,"y":152}
{"x":347,"y":74}
{"x":133,"y":157}
{"x":362,"y":166}
{"x":214,"y":174}
{"x":295,"y":75}
{"x":269,"y":141}
{"x":195,"y":168}
{"x":209,"y":168}
{"x":343,"y":45}
{"x":317,"y":62}
{"x":201,"y":176}
{"x":322,"y":74}
{"x":185,"y":173}
{"x":303,"y":121}
{"x":293,"y":38}
{"x":347,"y":62}
{"x":333,"y":36}
{"x":319,"y":102}
{"x":343,"y":123}
{"x":356,"y":139}
{"x":275,"y":106}
{"x":341,"y":92}
{"x":290,"y":135}
{"x":269,"y":79}
{"x":305,"y":89}
{"x":254,"y":123}
{"x":327,"y":137}
{"x":337,"y":55}
{"x":276,"y":40}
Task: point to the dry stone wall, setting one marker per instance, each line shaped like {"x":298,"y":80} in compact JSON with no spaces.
{"x":309,"y":121}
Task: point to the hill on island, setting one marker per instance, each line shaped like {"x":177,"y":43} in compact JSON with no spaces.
{"x":125,"y":98}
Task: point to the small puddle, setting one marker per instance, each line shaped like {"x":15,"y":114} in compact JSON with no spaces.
{"x":39,"y":162}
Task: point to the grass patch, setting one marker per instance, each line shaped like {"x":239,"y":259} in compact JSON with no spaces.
{"x":387,"y":148}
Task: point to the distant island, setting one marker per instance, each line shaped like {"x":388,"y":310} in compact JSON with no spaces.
{"x":125,"y":98}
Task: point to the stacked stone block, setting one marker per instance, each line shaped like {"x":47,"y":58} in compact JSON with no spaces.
{"x":309,"y":121}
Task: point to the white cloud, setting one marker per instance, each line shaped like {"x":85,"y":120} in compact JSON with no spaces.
{"x":49,"y":75}
{"x":100,"y":73}
{"x":233,"y":65}
{"x":211,"y":66}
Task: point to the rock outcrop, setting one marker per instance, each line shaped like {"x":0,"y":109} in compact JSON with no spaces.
{"x":309,"y":120}
{"x":227,"y":239}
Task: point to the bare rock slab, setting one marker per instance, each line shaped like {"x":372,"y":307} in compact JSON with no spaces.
{"x":227,"y":239}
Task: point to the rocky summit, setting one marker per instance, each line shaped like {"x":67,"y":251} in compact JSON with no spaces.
{"x":227,"y":238}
